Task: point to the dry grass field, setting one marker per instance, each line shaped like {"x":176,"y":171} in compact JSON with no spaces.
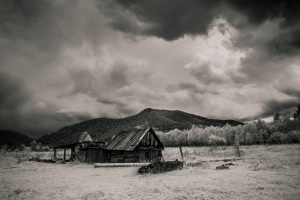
{"x":265,"y":172}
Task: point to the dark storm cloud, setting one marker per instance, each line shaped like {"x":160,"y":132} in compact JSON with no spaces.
{"x":285,"y":40}
{"x":36,"y":120}
{"x":13,"y":94}
{"x":168,"y":19}
{"x":172,"y":19}
{"x":50,"y":25}
{"x":258,"y":11}
{"x":29,"y":21}
{"x":34,"y":35}
{"x":12,"y":99}
{"x":281,"y":107}
{"x":18,"y":111}
{"x":17,"y":16}
{"x":292,"y":92}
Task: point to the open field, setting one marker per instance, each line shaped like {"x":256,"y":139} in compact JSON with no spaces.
{"x":276,"y":175}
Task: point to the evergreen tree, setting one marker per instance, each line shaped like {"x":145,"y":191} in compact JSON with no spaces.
{"x":297,"y":112}
{"x":276,"y":117}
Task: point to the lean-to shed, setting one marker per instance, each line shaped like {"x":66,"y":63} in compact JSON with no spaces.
{"x":74,"y":142}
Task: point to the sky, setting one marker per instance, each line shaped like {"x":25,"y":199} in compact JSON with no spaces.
{"x":66,"y":61}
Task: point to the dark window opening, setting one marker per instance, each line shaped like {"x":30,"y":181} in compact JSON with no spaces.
{"x":147,"y":155}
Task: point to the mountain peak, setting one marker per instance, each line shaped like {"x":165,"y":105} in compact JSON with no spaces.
{"x":147,"y":110}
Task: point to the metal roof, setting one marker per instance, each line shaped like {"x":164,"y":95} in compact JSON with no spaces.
{"x":128,"y":140}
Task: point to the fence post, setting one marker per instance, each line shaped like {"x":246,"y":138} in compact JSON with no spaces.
{"x":181,"y":153}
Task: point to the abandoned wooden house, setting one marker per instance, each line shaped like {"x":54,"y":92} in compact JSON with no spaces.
{"x":134,"y":145}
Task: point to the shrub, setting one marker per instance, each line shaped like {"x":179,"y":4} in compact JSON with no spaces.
{"x":22,"y":147}
{"x":4,"y":147}
{"x":278,"y":138}
{"x":254,"y":165}
{"x":237,"y":150}
{"x":45,"y":148}
{"x":294,"y":136}
{"x":35,"y":146}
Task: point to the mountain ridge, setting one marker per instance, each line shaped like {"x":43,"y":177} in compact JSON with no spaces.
{"x":163,"y":120}
{"x":14,"y":139}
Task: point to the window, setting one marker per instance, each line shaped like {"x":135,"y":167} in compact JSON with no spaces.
{"x":147,"y":155}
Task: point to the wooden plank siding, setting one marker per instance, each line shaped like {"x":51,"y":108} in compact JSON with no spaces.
{"x":92,"y":155}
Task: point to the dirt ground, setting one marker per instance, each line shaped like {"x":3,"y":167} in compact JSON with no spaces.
{"x":276,"y":176}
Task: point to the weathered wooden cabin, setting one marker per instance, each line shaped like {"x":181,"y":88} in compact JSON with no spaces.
{"x":134,"y":145}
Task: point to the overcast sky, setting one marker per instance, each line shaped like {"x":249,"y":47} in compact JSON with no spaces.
{"x":62,"y":62}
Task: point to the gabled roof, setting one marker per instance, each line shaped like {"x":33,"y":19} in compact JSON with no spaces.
{"x":129,"y":140}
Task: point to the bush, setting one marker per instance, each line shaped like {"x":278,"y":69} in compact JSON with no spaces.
{"x":278,"y":138}
{"x":294,"y":136}
{"x":45,"y":148}
{"x":4,"y":147}
{"x":237,"y":150}
{"x":35,"y":146}
{"x":22,"y":147}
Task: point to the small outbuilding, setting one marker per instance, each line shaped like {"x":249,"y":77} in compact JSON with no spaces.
{"x":74,"y":143}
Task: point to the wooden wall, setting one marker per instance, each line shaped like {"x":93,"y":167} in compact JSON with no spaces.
{"x":102,"y":156}
{"x":139,"y":155}
{"x":92,"y":155}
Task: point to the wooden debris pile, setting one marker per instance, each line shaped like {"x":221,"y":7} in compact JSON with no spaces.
{"x":222,"y":167}
{"x":160,"y":167}
{"x":41,"y":160}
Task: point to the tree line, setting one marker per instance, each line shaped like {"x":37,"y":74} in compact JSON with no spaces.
{"x":280,"y":131}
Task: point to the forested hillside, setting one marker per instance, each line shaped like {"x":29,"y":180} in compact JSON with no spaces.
{"x":13,"y":139}
{"x":161,"y":120}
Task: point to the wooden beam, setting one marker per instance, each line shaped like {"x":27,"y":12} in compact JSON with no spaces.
{"x":181,"y":153}
{"x":98,"y":165}
{"x":65,"y":154}
{"x":54,"y":153}
{"x":73,"y":152}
